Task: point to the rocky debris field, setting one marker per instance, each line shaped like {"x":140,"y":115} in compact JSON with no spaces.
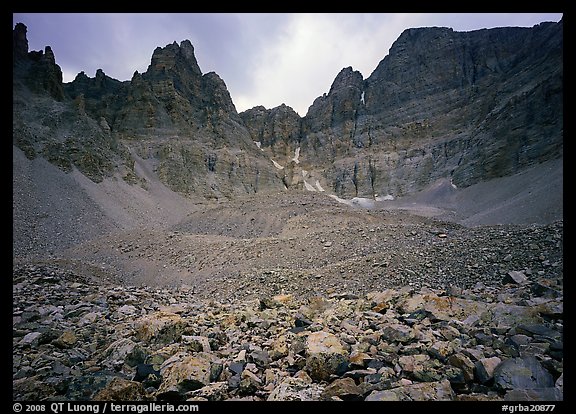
{"x":294,"y":298}
{"x":81,"y":338}
{"x":306,"y":244}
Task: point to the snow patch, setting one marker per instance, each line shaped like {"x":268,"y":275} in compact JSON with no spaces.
{"x":259,"y":145}
{"x":296,"y":156}
{"x":356,"y":201}
{"x":452,"y":184}
{"x":362,"y":98}
{"x":319,"y":187}
{"x":308,"y":186}
{"x":363,"y":202}
{"x":277,"y":165}
{"x":340,"y":200}
{"x":387,"y":197}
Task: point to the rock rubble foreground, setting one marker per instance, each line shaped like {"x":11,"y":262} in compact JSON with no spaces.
{"x":76,"y":338}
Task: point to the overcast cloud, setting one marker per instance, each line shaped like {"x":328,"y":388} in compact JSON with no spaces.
{"x":265,"y":59}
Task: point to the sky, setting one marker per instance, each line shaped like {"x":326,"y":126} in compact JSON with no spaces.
{"x":264,"y":58}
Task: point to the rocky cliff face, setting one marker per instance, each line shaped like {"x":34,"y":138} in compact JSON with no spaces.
{"x":187,"y":123}
{"x":277,"y":128}
{"x":468,"y":106}
{"x":180,"y":119}
{"x":465,"y":105}
{"x":37,"y":69}
{"x":48,"y":123}
{"x":101,"y":96}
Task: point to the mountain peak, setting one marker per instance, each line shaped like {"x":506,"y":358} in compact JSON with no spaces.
{"x":38,"y":69}
{"x":20,"y":42}
{"x":174,"y":58}
{"x":347,"y":77}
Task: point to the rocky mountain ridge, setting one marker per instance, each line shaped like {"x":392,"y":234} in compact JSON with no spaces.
{"x":173,"y":115}
{"x":468,"y":106}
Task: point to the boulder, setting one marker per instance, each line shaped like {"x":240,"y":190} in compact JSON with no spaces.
{"x":461,"y":361}
{"x":343,"y":388}
{"x":160,"y":327}
{"x":183,"y":372}
{"x":325,"y":356}
{"x":120,"y":389}
{"x":522,"y":373}
{"x":484,"y":369}
{"x":296,"y":389}
{"x":428,"y":391}
{"x":515,"y":277}
{"x":398,"y":333}
{"x":123,"y":351}
{"x":216,"y":391}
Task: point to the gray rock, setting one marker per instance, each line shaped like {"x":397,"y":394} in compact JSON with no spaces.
{"x":30,"y":389}
{"x":464,"y":363}
{"x":85,"y":386}
{"x":127,"y":310}
{"x":516,"y":277}
{"x":279,"y":348}
{"x":296,"y":389}
{"x":443,"y":349}
{"x":216,"y":391}
{"x":31,"y":338}
{"x":522,"y":373}
{"x":430,"y":391}
{"x":411,"y":363}
{"x":260,"y":357}
{"x":505,"y":315}
{"x":540,"y":330}
{"x":534,"y":349}
{"x":301,"y":321}
{"x":123,"y":351}
{"x":420,"y":367}
{"x":237,"y":367}
{"x":146,"y":374}
{"x":249,"y":383}
{"x":518,"y":340}
{"x":216,"y":369}
{"x":359,"y":374}
{"x":120,"y":389}
{"x":560,"y":382}
{"x":160,"y":327}
{"x":398,"y":333}
{"x":234,"y":381}
{"x":344,"y":388}
{"x":539,"y":289}
{"x":484,"y":369}
{"x":197,"y":343}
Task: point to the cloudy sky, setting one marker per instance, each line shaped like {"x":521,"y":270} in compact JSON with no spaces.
{"x":265,"y":59}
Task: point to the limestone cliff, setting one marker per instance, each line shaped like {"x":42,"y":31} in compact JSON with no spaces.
{"x":468,"y":106}
{"x":181,"y":120}
{"x":465,"y":105}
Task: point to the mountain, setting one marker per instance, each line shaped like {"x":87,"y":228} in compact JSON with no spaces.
{"x":467,"y":106}
{"x":181,"y":121}
{"x":166,"y":247}
{"x":462,"y":106}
